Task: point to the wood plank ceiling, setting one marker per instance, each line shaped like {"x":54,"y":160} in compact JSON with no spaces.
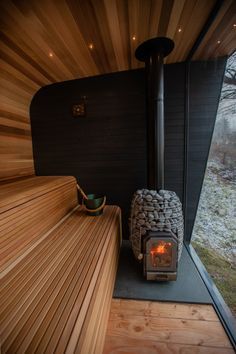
{"x":47,"y":41}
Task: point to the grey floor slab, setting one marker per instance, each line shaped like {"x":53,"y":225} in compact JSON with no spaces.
{"x":130,"y":283}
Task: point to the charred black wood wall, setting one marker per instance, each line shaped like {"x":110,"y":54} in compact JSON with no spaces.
{"x":106,"y":150}
{"x":174,"y":108}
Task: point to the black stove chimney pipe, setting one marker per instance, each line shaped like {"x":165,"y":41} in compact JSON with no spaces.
{"x":152,"y":52}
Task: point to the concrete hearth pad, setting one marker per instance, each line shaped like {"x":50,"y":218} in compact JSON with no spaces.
{"x":130,"y":283}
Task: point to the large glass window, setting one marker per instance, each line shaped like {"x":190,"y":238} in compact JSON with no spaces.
{"x":214,"y":232}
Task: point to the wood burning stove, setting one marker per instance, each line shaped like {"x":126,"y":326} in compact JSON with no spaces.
{"x":156,"y":223}
{"x":157,"y":220}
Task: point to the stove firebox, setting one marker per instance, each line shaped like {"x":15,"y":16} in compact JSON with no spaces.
{"x":160,"y":251}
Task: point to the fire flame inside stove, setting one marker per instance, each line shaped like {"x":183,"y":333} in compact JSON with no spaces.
{"x":161,"y":254}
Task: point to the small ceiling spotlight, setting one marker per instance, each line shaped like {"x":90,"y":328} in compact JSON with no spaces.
{"x":179,"y":29}
{"x":134,"y":38}
{"x":91,"y":46}
{"x":234,"y":25}
{"x":218,"y":42}
{"x":50,"y":54}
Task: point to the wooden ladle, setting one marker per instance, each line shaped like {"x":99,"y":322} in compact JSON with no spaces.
{"x":82,"y":192}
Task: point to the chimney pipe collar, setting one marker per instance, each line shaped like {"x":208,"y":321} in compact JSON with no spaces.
{"x":156,"y":45}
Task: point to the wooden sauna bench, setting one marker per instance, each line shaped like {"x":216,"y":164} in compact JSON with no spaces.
{"x":58,"y":268}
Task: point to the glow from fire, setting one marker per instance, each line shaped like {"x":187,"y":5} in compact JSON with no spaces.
{"x":162,"y":249}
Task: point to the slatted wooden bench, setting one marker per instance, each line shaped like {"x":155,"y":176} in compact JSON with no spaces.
{"x":58,"y":268}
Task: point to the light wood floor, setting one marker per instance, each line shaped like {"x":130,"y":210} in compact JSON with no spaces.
{"x":146,"y":327}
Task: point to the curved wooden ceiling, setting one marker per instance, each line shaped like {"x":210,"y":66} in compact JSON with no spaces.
{"x":46,"y":41}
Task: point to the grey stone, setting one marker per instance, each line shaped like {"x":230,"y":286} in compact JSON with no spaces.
{"x":148,"y":197}
{"x":148,"y":208}
{"x":139,"y":191}
{"x":160,"y":224}
{"x":143,"y":231}
{"x":158,"y":197}
{"x":156,"y":215}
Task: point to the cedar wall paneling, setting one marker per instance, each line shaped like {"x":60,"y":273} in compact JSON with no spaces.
{"x":16,"y":91}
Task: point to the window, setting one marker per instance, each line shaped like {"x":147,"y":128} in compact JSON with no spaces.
{"x":214,"y":232}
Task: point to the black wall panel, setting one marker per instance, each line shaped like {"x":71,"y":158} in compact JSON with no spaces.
{"x":106,"y":150}
{"x":174,"y":127}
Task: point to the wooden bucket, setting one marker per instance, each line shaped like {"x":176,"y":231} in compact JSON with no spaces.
{"x":94,"y":204}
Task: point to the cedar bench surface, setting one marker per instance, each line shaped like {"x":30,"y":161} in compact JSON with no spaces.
{"x":56,"y":294}
{"x":29,"y":208}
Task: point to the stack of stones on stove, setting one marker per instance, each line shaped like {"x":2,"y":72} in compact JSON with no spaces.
{"x":155,"y":211}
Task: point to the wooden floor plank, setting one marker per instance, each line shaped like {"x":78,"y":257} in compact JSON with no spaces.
{"x":169,"y":329}
{"x":120,"y":345}
{"x":140,"y":327}
{"x":164,"y":309}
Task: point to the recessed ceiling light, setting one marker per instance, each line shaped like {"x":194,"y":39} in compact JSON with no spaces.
{"x":134,"y":38}
{"x":234,"y":25}
{"x":179,"y":29}
{"x":50,"y":54}
{"x":91,"y":46}
{"x":218,"y":42}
